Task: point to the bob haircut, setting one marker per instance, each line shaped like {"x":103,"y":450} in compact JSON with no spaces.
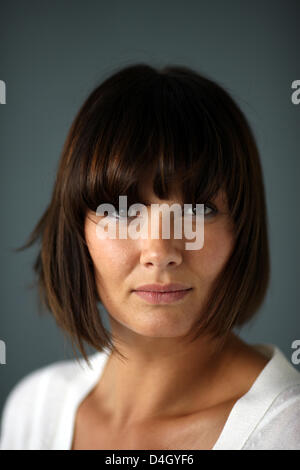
{"x":187,"y":131}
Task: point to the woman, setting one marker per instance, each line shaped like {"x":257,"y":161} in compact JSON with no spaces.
{"x":169,"y":373}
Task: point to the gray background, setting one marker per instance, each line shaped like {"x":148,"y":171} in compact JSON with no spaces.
{"x":53,"y":53}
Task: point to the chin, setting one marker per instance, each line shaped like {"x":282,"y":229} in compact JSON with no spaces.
{"x":161,"y":329}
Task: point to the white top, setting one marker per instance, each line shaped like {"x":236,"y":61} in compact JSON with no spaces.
{"x":40,"y":410}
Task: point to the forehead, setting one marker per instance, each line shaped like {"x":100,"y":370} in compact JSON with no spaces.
{"x":148,"y":196}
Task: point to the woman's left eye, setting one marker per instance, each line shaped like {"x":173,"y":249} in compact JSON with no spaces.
{"x":192,"y":210}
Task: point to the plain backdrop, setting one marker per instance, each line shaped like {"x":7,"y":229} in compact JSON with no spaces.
{"x":54,"y":53}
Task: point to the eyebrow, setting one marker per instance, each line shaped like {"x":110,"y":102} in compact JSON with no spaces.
{"x":148,"y":203}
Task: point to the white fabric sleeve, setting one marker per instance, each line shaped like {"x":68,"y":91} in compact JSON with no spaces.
{"x":17,"y":414}
{"x":280,"y":427}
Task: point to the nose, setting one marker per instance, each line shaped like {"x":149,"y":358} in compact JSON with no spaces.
{"x":160,"y":252}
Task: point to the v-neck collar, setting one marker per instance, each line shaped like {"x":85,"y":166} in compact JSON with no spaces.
{"x":277,"y":375}
{"x":244,"y":416}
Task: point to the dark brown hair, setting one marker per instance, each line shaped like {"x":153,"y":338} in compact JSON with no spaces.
{"x":186,"y":130}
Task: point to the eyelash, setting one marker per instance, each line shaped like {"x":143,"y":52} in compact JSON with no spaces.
{"x":213,"y":213}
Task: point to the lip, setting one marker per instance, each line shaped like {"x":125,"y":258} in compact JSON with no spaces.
{"x":155,"y":297}
{"x":172,"y":287}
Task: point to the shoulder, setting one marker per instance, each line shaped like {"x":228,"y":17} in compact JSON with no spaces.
{"x":279,"y":429}
{"x":35,"y":401}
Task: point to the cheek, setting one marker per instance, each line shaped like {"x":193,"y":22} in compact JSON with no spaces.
{"x":118,"y":255}
{"x":217,"y":248}
{"x":111,"y":258}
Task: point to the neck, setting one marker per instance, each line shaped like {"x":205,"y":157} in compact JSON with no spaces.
{"x":164,"y":378}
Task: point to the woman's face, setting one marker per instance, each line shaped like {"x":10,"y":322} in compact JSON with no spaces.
{"x":122,"y":265}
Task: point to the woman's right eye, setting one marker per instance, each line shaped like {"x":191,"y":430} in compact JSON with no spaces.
{"x":121,"y":214}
